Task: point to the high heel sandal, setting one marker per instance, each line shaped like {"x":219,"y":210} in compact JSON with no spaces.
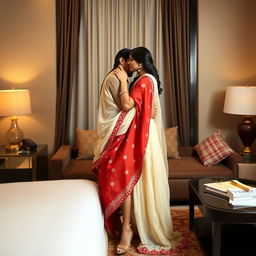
{"x":122,"y":249}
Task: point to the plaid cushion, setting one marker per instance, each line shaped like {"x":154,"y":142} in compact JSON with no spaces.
{"x":85,"y":142}
{"x":213,"y":149}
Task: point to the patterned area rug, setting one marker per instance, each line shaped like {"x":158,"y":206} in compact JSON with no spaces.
{"x":180,"y":217}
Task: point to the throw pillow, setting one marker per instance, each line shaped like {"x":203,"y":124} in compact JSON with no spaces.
{"x":85,"y":142}
{"x":213,"y":149}
{"x":171,"y":142}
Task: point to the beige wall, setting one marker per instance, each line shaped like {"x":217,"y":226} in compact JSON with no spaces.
{"x":27,"y":60}
{"x":227,"y":54}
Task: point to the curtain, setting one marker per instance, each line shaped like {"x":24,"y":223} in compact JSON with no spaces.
{"x":176,"y":44}
{"x":67,"y":33}
{"x":106,"y":27}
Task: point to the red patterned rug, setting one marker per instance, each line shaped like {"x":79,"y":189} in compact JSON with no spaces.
{"x":180,"y":217}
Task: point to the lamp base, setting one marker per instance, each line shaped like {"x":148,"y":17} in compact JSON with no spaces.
{"x":12,"y":148}
{"x":247,"y":133}
{"x":249,"y":158}
{"x":13,"y":136}
{"x":246,"y":151}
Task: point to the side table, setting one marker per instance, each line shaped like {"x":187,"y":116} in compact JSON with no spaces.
{"x":247,"y":171}
{"x":223,"y":229}
{"x":29,"y":166}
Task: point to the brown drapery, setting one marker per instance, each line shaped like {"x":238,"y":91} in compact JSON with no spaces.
{"x":67,"y":33}
{"x":176,"y":40}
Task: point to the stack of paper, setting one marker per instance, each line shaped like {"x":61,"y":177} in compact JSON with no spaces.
{"x":246,"y":201}
{"x":237,"y":193}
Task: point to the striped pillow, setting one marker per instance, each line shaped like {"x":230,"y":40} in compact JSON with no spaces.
{"x":213,"y":149}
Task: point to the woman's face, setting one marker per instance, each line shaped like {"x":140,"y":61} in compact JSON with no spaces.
{"x":133,"y":64}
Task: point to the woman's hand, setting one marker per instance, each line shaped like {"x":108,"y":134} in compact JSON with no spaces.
{"x":121,"y":74}
{"x":126,"y":101}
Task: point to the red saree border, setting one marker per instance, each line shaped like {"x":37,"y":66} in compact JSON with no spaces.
{"x":183,"y":243}
{"x":111,"y":138}
{"x":123,"y":195}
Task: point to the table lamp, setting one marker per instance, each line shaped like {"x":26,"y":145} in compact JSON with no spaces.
{"x":14,"y":103}
{"x":241,"y":100}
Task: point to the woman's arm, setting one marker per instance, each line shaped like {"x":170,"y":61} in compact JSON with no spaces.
{"x":126,"y":101}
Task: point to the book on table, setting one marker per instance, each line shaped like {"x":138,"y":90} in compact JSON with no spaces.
{"x":235,"y":191}
{"x":244,"y":201}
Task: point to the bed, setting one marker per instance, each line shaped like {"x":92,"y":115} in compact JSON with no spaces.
{"x":54,"y":218}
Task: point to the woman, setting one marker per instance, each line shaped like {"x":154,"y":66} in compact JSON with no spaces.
{"x":132,"y":167}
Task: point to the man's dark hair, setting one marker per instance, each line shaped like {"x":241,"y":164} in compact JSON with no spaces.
{"x":124,"y":53}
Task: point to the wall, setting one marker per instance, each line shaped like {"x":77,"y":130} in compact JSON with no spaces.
{"x":227,"y":56}
{"x":27,"y":60}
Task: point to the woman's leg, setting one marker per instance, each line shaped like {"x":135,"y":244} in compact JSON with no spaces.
{"x":126,"y":211}
{"x":127,"y":233}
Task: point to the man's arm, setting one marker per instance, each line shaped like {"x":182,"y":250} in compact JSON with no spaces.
{"x":113,"y":85}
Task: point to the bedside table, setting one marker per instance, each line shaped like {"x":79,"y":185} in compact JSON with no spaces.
{"x":29,"y":166}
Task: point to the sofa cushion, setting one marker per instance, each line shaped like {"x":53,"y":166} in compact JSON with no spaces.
{"x":79,"y":169}
{"x":85,"y":141}
{"x":189,"y":167}
{"x":213,"y":149}
{"x":171,"y":142}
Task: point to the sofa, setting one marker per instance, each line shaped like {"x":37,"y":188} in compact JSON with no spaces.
{"x":184,"y":163}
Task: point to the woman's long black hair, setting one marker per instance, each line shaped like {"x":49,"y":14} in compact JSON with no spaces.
{"x":143,"y":56}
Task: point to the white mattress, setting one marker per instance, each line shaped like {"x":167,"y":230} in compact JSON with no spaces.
{"x":51,"y":218}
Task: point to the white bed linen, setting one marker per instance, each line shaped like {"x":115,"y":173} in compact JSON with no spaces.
{"x":51,"y":218}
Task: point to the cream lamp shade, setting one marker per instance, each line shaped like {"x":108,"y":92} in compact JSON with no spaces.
{"x":14,"y":102}
{"x":240,"y":100}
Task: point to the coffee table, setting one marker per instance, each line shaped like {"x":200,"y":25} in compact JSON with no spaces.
{"x":219,"y":217}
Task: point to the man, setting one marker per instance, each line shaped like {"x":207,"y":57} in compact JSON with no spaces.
{"x":111,"y":84}
{"x":110,"y":107}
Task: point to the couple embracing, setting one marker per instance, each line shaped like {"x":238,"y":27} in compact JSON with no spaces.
{"x":130,"y":156}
